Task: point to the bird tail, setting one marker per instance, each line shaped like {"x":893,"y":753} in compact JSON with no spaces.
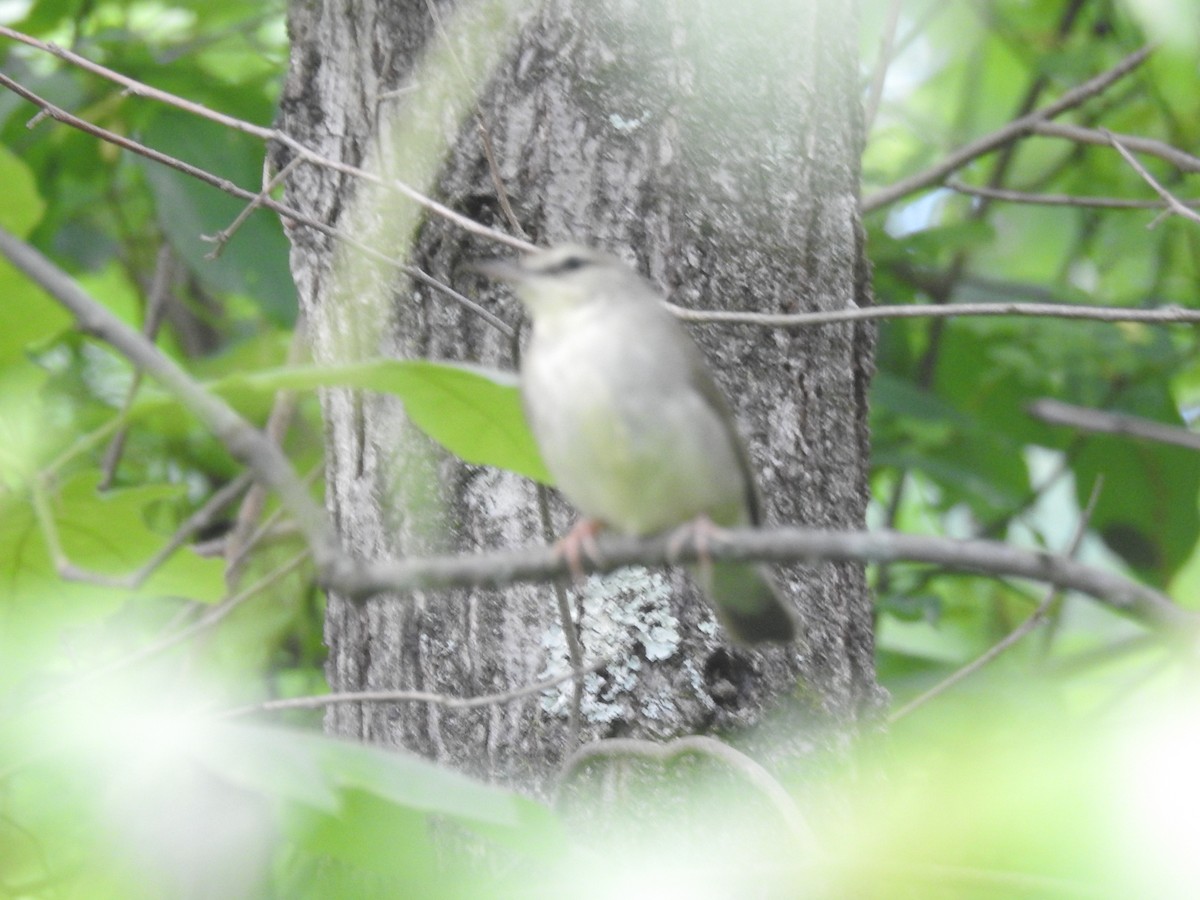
{"x":747,"y":602}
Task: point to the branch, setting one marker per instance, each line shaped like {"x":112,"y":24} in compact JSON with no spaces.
{"x":1039,"y":615}
{"x":1080,"y":135}
{"x":197,"y":521}
{"x":701,"y":745}
{"x":781,"y":545}
{"x":1015,"y":129}
{"x":1174,"y":204}
{"x":323,"y":700}
{"x":1164,"y":314}
{"x":340,"y":572}
{"x":139,"y":89}
{"x":882,"y":61}
{"x":165,"y":643}
{"x":1010,"y":196}
{"x":156,"y":308}
{"x":238,"y":436}
{"x":61,"y":115}
{"x":1054,"y":412}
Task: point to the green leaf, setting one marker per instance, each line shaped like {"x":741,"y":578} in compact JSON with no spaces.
{"x":473,"y":412}
{"x":105,"y":533}
{"x":23,"y":207}
{"x":307,"y":768}
{"x":1147,"y":510}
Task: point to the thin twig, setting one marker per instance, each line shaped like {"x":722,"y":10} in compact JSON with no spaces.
{"x":197,"y":521}
{"x":1058,"y":199}
{"x":163,"y":644}
{"x":320,"y":701}
{"x":269,"y":527}
{"x":489,"y":154}
{"x":1173,"y":203}
{"x":700,"y":745}
{"x":222,"y":237}
{"x":1055,"y":412}
{"x":139,"y":89}
{"x":1161,"y":315}
{"x":1183,"y":161}
{"x":1013,"y":130}
{"x":238,"y":436}
{"x":485,"y":136}
{"x":1039,"y":615}
{"x":882,"y":61}
{"x":156,"y":307}
{"x":278,"y":421}
{"x":570,"y":627}
{"x":289,"y":213}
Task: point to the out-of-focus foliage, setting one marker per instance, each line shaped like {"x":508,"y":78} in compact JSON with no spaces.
{"x":1064,"y":768}
{"x":955,"y":450}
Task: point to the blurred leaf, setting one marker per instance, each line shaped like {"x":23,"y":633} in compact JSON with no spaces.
{"x":105,"y":533}
{"x":255,"y":261}
{"x":23,"y":206}
{"x":473,"y":412}
{"x":1147,"y":511}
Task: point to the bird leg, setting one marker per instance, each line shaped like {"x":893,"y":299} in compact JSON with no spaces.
{"x":577,"y":543}
{"x":701,"y":531}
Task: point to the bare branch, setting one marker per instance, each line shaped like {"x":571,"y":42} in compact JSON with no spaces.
{"x":320,"y":701}
{"x":1162,"y":315}
{"x":882,"y":61}
{"x":1176,"y":157}
{"x":778,"y":545}
{"x":1055,"y":412}
{"x":222,"y":237}
{"x":1173,"y":203}
{"x":238,"y":436}
{"x":1015,"y":129}
{"x":278,"y":422}
{"x":270,"y":203}
{"x":139,"y":89}
{"x":1009,"y":196}
{"x":154,"y":648}
{"x":363,"y":579}
{"x":701,"y":745}
{"x":156,"y":307}
{"x":570,"y":626}
{"x":1039,"y":615}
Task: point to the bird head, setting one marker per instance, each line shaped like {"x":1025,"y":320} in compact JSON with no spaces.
{"x":562,"y":278}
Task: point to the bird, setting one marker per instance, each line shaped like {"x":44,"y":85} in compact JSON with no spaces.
{"x":631,"y":424}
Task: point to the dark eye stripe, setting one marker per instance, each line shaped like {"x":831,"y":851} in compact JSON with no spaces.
{"x":570,"y":264}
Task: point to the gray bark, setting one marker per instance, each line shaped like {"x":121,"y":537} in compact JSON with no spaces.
{"x":714,"y":146}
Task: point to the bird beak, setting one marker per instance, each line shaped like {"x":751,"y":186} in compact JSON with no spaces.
{"x":497,"y":269}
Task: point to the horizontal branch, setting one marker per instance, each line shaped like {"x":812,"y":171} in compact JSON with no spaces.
{"x":1055,"y":412}
{"x":1161,"y":315}
{"x":1084,"y":201}
{"x":320,"y":701}
{"x":1183,"y":161}
{"x":776,"y":545}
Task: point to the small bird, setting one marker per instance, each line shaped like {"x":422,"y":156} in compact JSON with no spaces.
{"x":630,"y":422}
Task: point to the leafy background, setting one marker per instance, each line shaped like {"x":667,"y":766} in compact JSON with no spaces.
{"x":1069,"y":761}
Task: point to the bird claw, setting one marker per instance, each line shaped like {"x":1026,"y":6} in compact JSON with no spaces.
{"x":702,"y":532}
{"x":577,"y":543}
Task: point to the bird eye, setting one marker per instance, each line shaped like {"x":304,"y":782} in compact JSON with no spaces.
{"x":570,"y":264}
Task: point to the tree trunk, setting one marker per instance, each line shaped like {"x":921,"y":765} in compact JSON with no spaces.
{"x":715,"y":147}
